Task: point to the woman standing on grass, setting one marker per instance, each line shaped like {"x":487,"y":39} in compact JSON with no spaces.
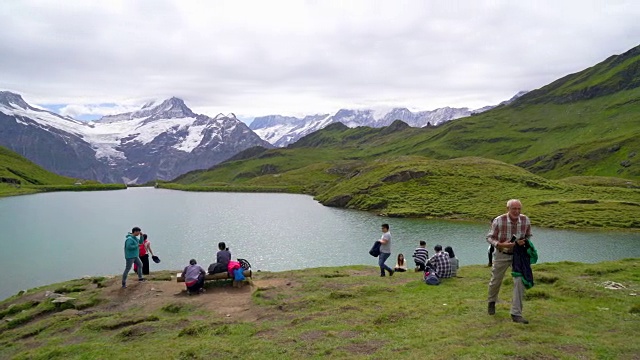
{"x":145,"y":250}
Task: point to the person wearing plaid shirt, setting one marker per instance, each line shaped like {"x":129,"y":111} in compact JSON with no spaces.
{"x":439,"y":263}
{"x":503,"y":228}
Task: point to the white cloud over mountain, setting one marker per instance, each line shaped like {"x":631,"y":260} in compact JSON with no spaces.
{"x":301,"y":57}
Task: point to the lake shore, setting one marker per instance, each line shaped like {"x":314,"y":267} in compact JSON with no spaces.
{"x":339,"y":312}
{"x":7,"y":190}
{"x":577,"y":214}
{"x":553,"y":211}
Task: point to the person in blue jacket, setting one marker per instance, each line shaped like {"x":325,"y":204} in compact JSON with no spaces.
{"x":131,"y":252}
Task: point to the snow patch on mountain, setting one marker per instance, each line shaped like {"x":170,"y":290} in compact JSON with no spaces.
{"x":192,"y":140}
{"x":43,"y":117}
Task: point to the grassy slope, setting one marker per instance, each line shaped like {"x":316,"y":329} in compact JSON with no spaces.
{"x":462,"y":188}
{"x":476,"y":188}
{"x":583,"y":127}
{"x":595,"y":137}
{"x":15,"y":166}
{"x":34,"y":179}
{"x":346,"y":312}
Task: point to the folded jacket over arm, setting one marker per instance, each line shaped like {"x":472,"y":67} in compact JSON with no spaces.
{"x":523,"y":257}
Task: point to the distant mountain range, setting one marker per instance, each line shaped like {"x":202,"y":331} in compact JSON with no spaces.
{"x":160,"y":141}
{"x":284,"y":130}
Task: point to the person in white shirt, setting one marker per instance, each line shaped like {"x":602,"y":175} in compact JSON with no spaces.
{"x":401,"y":264}
{"x":385,"y":250}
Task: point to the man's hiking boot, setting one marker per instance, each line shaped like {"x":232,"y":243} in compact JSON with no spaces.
{"x":519,"y":319}
{"x":142,"y":280}
{"x":492,"y":308}
{"x":391,"y":272}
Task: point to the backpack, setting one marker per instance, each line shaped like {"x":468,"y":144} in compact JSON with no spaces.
{"x":238,"y":275}
{"x":431,"y":278}
{"x":217,"y":268}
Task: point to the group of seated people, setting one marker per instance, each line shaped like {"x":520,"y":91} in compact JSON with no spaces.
{"x":443,"y":264}
{"x":194,"y":274}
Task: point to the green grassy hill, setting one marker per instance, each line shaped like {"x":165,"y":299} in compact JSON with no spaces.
{"x":414,"y":186}
{"x":332,"y":313}
{"x":584,"y":127}
{"x":17,"y":167}
{"x":32,"y":178}
{"x":587,"y":123}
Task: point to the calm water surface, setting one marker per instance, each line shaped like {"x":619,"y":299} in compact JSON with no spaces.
{"x":59,"y":236}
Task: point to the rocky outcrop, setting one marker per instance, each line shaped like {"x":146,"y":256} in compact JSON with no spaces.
{"x":338,"y":201}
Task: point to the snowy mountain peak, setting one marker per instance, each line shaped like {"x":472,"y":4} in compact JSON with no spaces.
{"x":13,"y":100}
{"x":172,"y":108}
{"x":272,"y":120}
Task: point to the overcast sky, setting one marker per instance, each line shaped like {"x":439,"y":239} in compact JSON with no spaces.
{"x":252,"y":58}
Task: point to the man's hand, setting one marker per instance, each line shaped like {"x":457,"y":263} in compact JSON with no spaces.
{"x":521,"y":242}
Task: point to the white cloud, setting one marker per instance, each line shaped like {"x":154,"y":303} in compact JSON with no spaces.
{"x":299,"y":57}
{"x":77,"y":110}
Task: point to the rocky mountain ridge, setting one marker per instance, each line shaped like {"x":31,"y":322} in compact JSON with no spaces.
{"x":162,"y":140}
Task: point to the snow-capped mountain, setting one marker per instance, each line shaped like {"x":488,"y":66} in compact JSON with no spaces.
{"x":162,"y":140}
{"x":284,"y":130}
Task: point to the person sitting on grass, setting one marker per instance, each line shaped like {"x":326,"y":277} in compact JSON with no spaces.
{"x":439,"y":263}
{"x":453,"y":260}
{"x":401,"y":264}
{"x":194,"y":277}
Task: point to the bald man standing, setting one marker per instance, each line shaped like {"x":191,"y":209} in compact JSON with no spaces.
{"x":507,"y":231}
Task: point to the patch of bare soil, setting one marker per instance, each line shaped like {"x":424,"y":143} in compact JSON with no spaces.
{"x":225,"y":300}
{"x":362,"y":348}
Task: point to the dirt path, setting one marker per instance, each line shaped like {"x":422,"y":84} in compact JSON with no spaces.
{"x":223,"y":299}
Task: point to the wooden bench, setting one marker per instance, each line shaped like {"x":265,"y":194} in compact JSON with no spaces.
{"x":223,"y":275}
{"x":216,"y":276}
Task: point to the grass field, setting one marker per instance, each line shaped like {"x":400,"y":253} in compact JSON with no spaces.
{"x":342,"y":313}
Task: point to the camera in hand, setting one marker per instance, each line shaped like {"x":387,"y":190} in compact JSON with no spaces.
{"x":513,"y":238}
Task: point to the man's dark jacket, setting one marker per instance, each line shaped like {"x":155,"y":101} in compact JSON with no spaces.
{"x":375,"y":249}
{"x":523,"y":257}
